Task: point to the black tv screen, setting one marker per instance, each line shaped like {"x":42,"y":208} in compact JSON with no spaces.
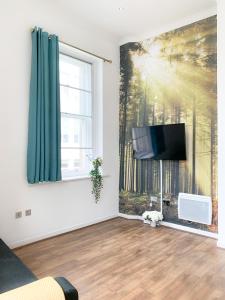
{"x":160,"y":142}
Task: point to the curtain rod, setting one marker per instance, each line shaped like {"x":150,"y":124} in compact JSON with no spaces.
{"x":85,"y":51}
{"x":90,"y":53}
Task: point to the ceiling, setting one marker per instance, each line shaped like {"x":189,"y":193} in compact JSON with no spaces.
{"x":125,"y":18}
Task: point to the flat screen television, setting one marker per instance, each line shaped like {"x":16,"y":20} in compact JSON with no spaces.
{"x":160,"y":142}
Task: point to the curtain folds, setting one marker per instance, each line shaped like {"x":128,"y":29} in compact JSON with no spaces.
{"x":44,"y":132}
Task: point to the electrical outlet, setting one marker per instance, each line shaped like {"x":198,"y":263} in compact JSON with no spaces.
{"x":28,"y":212}
{"x":18,"y":214}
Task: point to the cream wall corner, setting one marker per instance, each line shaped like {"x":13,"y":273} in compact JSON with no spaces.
{"x":221,"y":125}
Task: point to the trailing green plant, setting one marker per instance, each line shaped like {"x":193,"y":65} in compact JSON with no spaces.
{"x":96,"y":178}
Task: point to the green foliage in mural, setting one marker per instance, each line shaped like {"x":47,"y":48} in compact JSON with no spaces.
{"x":167,"y":79}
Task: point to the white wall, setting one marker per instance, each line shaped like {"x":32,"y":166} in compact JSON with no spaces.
{"x":179,"y":22}
{"x":56,"y":207}
{"x":221,"y":125}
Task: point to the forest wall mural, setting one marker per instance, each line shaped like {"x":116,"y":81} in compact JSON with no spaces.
{"x":170,"y":78}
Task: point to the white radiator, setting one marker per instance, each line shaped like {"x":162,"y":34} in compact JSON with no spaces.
{"x":195,"y":208}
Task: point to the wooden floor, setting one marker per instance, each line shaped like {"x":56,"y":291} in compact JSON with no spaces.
{"x":125,"y":259}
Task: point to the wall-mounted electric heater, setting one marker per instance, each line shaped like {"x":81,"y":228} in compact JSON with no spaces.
{"x":195,"y":208}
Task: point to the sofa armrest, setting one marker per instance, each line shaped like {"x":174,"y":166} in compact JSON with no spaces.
{"x":43,"y":289}
{"x":69,"y":290}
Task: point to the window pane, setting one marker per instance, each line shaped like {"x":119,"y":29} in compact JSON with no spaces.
{"x":75,"y":101}
{"x":75,"y":73}
{"x":76,"y":116}
{"x":75,"y":162}
{"x":76,"y":132}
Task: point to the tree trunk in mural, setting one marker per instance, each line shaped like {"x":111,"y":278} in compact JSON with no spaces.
{"x":213,"y":172}
{"x":126,"y":71}
{"x":122,"y":139}
{"x":193,"y":188}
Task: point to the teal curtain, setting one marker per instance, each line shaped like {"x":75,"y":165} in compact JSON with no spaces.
{"x":44,"y":136}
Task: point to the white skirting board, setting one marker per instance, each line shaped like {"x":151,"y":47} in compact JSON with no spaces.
{"x":58,"y":232}
{"x":131,"y":217}
{"x":221,"y":244}
{"x":175,"y":226}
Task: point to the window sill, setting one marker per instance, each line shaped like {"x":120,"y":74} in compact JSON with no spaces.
{"x":87,"y":177}
{"x":79,"y":178}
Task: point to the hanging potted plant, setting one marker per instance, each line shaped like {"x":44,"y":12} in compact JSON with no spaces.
{"x":96,"y":178}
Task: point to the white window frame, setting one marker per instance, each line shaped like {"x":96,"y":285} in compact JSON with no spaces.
{"x":97,"y":100}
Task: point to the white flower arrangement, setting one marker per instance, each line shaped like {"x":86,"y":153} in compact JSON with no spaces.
{"x":153,"y":216}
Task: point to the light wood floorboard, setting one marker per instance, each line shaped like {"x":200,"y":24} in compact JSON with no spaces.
{"x":125,"y":259}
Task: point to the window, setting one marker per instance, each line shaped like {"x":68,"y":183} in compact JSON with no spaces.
{"x":65,"y":138}
{"x":75,"y":138}
{"x":76,"y":116}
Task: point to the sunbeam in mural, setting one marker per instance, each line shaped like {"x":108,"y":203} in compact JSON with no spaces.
{"x":168,"y":79}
